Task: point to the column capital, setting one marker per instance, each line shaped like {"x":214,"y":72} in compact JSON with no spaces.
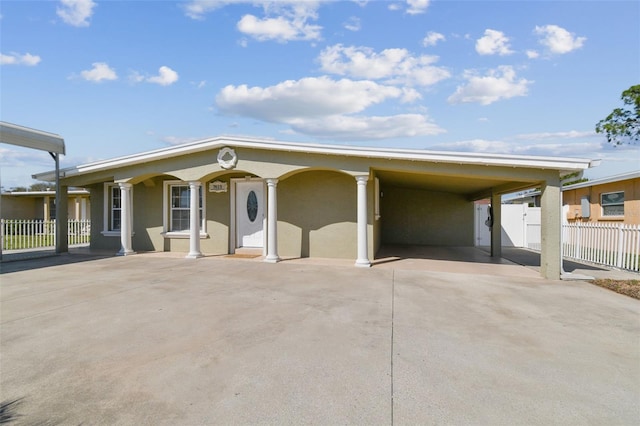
{"x":271,"y":181}
{"x":195,"y":183}
{"x":125,"y":185}
{"x":362,"y":179}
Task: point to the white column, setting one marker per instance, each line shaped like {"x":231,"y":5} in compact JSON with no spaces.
{"x":77,"y":208}
{"x":363,"y":246}
{"x":83,"y":208}
{"x":194,"y":220}
{"x":125,"y":219}
{"x":272,"y":221}
{"x":45,"y":212}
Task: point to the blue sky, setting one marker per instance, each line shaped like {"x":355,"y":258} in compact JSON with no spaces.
{"x":121,"y":77}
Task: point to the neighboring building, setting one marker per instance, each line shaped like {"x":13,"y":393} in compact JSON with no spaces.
{"x":40,"y":205}
{"x":304,"y":200}
{"x":611,"y":199}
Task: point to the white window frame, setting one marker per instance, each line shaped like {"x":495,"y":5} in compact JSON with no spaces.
{"x":602,"y":205}
{"x":166,"y":211}
{"x":107,"y":220}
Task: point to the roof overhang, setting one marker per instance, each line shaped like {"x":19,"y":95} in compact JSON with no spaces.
{"x":562,"y":164}
{"x":30,"y":138}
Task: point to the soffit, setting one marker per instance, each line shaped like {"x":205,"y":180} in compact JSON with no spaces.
{"x":463,"y":185}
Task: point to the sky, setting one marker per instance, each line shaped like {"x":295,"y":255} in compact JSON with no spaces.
{"x":509,"y":77}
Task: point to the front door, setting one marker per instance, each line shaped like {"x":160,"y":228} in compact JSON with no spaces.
{"x":249,"y":214}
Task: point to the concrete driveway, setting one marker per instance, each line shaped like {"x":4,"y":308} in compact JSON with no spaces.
{"x":158,"y":339}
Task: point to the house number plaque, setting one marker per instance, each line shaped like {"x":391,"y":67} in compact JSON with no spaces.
{"x":217,"y":186}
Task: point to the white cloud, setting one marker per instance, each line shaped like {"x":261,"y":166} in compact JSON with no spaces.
{"x":432,"y":38}
{"x":283,"y":20}
{"x":76,"y":12}
{"x":532,"y":54}
{"x":557,"y":40}
{"x":353,"y":24}
{"x":325,"y":108}
{"x":17,"y":59}
{"x":576,"y":149}
{"x":341,"y":127}
{"x":166,"y":76}
{"x":394,"y":65}
{"x":310,"y":97}
{"x":100,"y":72}
{"x":280,"y":29}
{"x":196,"y":9}
{"x":572,"y":134}
{"x":498,"y":84}
{"x":175,"y":140}
{"x":493,"y":43}
{"x":416,"y":7}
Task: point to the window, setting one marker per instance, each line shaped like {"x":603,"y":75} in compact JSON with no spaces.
{"x":177,"y":208}
{"x":612,"y":203}
{"x":113,"y":209}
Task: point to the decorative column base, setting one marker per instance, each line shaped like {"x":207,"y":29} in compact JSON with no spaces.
{"x":124,"y":252}
{"x":272,"y":259}
{"x":363,"y":263}
{"x":195,"y":255}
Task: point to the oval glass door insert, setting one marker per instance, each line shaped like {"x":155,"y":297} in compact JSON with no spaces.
{"x":252,"y":206}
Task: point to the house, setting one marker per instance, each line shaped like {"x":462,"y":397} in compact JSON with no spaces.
{"x":607,"y":200}
{"x":285,"y":199}
{"x":40,"y":205}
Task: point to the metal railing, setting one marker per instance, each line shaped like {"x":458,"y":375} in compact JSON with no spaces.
{"x":31,"y":234}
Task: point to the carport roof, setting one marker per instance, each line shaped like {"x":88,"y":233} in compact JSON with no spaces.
{"x":14,"y":134}
{"x":562,"y":164}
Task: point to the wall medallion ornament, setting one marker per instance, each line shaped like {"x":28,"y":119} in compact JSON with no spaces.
{"x":227,"y":158}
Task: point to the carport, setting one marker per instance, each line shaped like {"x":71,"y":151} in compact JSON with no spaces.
{"x":432,"y":204}
{"x":14,"y":134}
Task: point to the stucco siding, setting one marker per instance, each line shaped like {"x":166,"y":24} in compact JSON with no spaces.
{"x":413,"y":216}
{"x":21,"y":208}
{"x":317,"y":215}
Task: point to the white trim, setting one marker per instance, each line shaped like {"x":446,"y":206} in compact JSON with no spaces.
{"x":601,"y":181}
{"x":166,"y":206}
{"x":106,"y":210}
{"x":470,"y":158}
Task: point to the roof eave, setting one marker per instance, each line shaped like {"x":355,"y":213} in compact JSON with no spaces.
{"x":553,"y":163}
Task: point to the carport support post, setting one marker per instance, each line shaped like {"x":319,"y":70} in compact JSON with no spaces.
{"x":363,"y":246}
{"x":62,"y":211}
{"x":62,"y":221}
{"x":550,"y":249}
{"x":272,"y":221}
{"x":125,"y":219}
{"x":194,"y":220}
{"x":496,"y":228}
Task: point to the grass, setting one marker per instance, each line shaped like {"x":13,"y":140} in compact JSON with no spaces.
{"x":629,"y":288}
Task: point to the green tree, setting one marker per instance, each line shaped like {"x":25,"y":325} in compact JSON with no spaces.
{"x":623,"y":124}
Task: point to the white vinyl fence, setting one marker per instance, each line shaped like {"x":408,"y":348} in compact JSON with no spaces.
{"x":616,"y":245}
{"x":30,"y":234}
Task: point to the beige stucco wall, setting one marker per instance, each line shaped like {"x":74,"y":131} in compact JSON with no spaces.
{"x":317,"y":215}
{"x":21,"y":208}
{"x":413,"y":216}
{"x":631,"y":188}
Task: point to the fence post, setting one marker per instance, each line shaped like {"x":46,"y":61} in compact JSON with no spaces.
{"x":620,"y":254}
